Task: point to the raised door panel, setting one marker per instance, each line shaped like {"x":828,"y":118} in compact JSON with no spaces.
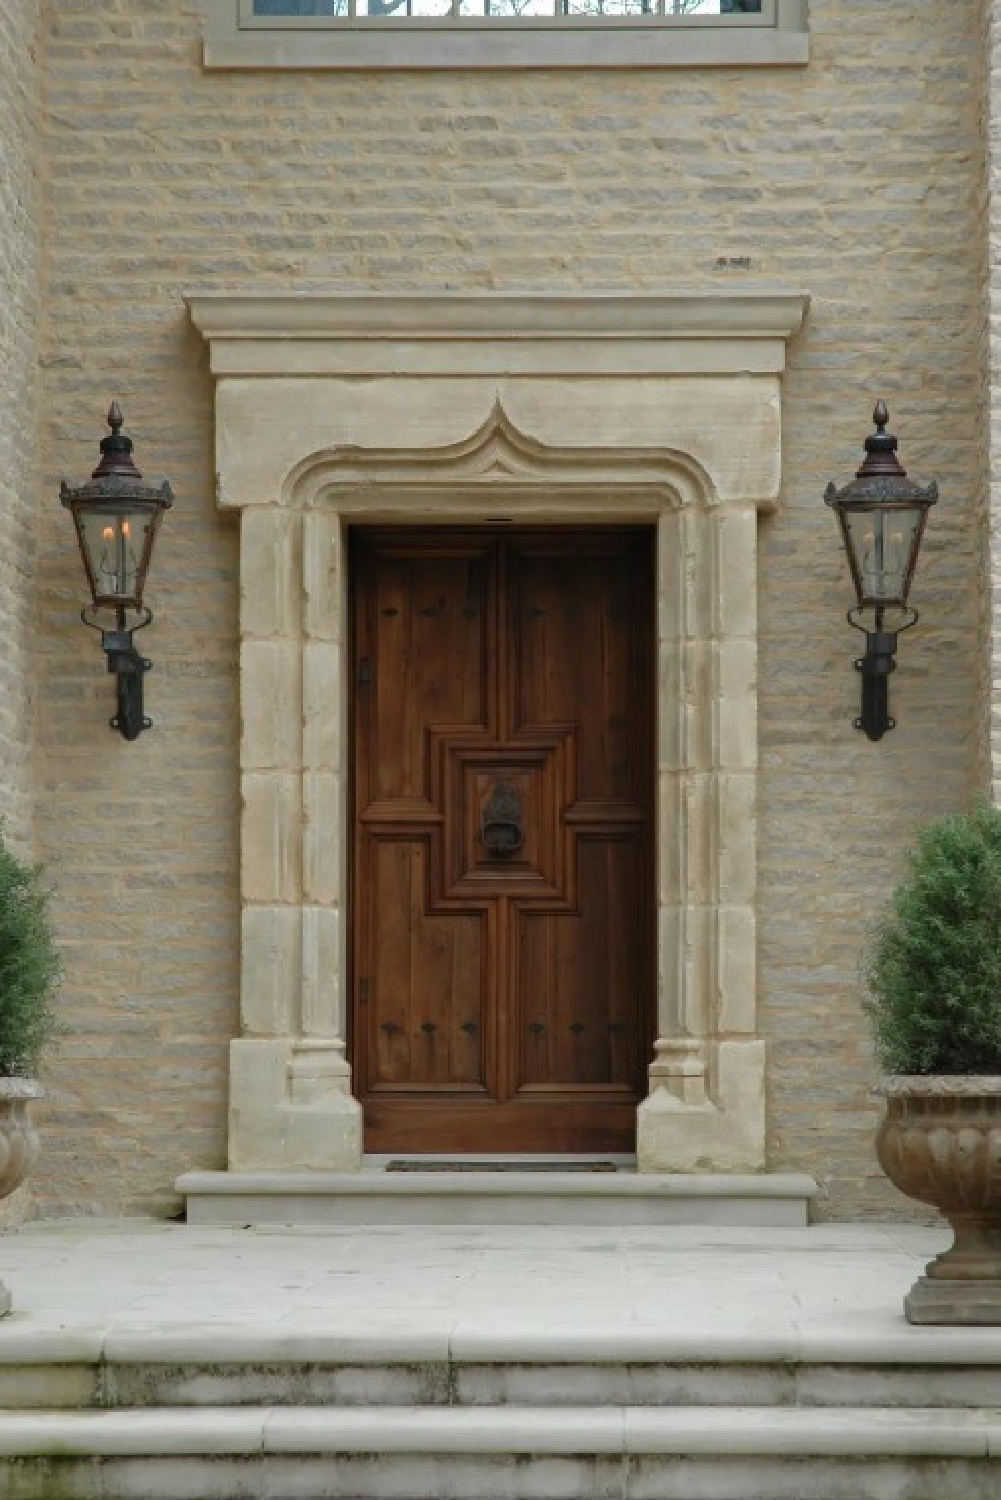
{"x":582,"y":633}
{"x":581,"y":979}
{"x":425,"y":1014}
{"x":422,"y":642}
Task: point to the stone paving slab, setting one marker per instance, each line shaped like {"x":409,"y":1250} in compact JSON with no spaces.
{"x":135,"y":1289}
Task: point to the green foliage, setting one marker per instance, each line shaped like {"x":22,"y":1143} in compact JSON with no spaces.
{"x":934,"y":971}
{"x":30,"y":969}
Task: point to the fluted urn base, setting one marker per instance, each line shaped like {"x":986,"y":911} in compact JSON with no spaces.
{"x":18,"y":1144}
{"x":941,"y":1144}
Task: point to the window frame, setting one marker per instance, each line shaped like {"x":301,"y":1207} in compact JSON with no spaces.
{"x":235,"y":39}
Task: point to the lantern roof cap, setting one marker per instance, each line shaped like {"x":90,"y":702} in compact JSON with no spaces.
{"x":116,"y":477}
{"x":881,"y":479}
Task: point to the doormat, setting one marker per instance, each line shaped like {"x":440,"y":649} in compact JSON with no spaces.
{"x":502,"y":1166}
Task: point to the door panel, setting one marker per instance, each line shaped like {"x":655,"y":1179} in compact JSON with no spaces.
{"x":579,"y":981}
{"x":429,"y":974}
{"x":579,"y":663}
{"x":428,"y":633}
{"x":503,"y":885}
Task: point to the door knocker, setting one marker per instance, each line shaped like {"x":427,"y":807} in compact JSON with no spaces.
{"x":500,"y":825}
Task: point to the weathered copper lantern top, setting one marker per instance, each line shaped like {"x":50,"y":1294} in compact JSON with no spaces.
{"x":116,"y":476}
{"x":117,"y":517}
{"x":881,"y":476}
{"x":882,"y":517}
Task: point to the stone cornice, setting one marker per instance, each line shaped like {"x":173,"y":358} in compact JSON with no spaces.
{"x":435,"y":333}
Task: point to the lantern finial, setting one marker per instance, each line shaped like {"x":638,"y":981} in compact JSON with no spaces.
{"x":116,"y":450}
{"x":881,"y":449}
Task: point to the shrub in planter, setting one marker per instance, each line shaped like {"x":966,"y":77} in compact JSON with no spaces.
{"x":29,"y":975}
{"x":934,"y":981}
{"x":29,"y":966}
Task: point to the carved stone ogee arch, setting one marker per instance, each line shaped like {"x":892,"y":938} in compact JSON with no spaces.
{"x":696,"y":455}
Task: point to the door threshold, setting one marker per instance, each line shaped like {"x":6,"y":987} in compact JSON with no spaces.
{"x":408,"y":1161}
{"x":452,"y":1198}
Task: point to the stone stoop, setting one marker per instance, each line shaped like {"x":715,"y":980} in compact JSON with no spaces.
{"x":527,"y":1196}
{"x":221,"y":1416}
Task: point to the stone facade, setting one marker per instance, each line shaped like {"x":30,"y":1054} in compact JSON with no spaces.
{"x":19,"y":262}
{"x":991,"y":368}
{"x":165,"y":181}
{"x":20,"y":167}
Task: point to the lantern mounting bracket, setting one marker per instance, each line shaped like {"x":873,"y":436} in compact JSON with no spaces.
{"x":876,"y":665}
{"x":129,"y":667}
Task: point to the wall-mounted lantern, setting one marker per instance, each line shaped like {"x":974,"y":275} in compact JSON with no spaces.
{"x":882,"y":516}
{"x":117,"y":518}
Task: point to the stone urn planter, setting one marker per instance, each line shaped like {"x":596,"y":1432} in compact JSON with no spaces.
{"x":18,"y":1143}
{"x":933,"y":975}
{"x":940,"y":1143}
{"x":29,"y":976}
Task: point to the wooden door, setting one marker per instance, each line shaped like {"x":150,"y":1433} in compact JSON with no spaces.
{"x":503,"y":946}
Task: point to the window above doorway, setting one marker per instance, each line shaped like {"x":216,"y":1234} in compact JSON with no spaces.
{"x":409,"y":34}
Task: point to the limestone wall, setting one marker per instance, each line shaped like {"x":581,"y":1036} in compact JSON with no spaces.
{"x":19,"y":98}
{"x":991,"y":398}
{"x":984,"y":401}
{"x":855,"y":179}
{"x":19,"y":263}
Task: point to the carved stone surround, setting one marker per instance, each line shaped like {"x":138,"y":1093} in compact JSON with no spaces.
{"x":424,"y":410}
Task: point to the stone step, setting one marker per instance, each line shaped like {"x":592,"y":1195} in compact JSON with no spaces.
{"x":528,"y":1196}
{"x":223,"y":1367}
{"x":532,"y":1453}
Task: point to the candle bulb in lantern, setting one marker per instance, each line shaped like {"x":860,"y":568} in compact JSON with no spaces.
{"x":107,"y":568}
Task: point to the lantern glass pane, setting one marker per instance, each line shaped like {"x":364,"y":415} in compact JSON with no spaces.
{"x":116,"y":543}
{"x":881,"y":543}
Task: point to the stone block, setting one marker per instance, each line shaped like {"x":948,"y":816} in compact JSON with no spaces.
{"x":270,"y":710}
{"x":672,"y":833}
{"x":270,"y":968}
{"x":323,"y":837}
{"x":736,"y":676}
{"x":268,"y":582}
{"x":324,"y":706}
{"x":725,"y":1136}
{"x":324,"y":572}
{"x":271,"y":837}
{"x":737,"y":578}
{"x":736,"y":852}
{"x":324,"y":966}
{"x":268,"y":1132}
{"x":737,"y":970}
